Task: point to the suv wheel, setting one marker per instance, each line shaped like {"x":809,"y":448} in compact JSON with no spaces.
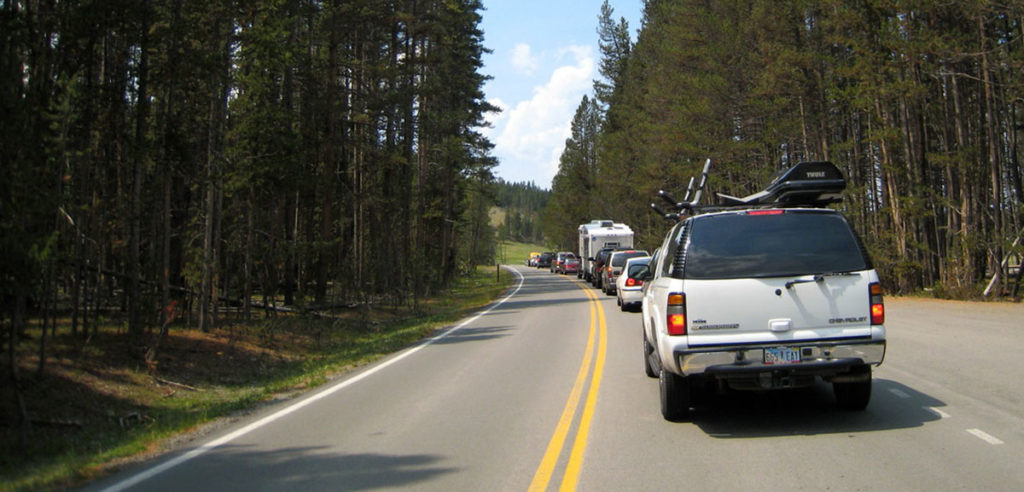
{"x":675,"y":395}
{"x":648,"y":352}
{"x":854,"y":395}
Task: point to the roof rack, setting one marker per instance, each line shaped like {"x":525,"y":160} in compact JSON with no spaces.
{"x":810,"y":184}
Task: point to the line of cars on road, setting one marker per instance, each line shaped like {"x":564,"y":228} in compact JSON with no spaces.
{"x":563,"y":262}
{"x":614,"y":271}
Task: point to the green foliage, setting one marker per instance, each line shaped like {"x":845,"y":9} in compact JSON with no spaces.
{"x":573,"y":198}
{"x":522,"y":204}
{"x":916,"y":102}
{"x":219,"y":150}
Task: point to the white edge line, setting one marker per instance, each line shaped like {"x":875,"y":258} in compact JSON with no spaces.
{"x":984,"y":436}
{"x":167,"y":465}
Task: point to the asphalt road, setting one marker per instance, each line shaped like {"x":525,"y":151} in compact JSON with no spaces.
{"x":547,"y":390}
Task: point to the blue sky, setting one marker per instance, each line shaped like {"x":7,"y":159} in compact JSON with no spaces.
{"x":544,"y":59}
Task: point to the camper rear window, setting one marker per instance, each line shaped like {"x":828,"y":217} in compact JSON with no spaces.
{"x":771,"y":245}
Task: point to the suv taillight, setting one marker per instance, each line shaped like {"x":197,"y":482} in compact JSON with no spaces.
{"x":877,"y":306}
{"x":676,"y":313}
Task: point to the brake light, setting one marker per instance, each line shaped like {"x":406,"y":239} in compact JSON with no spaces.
{"x":632,"y":282}
{"x":877,"y":305}
{"x":765,"y":212}
{"x":676,"y":312}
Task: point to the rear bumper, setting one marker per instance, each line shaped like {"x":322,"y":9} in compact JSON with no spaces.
{"x":817,"y":358}
{"x":631,"y":295}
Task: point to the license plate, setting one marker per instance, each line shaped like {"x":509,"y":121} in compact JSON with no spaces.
{"x":781,"y":355}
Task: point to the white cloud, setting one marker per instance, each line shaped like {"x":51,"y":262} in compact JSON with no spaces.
{"x":523,"y":59}
{"x":529,"y":137}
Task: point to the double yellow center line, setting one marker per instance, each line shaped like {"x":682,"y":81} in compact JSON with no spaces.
{"x":572,"y":470}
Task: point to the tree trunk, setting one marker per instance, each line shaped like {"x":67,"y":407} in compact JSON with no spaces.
{"x":17,"y":325}
{"x":247,"y":258}
{"x":993,"y":157}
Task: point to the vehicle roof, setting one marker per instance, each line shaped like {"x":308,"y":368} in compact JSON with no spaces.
{"x":712,"y":211}
{"x":629,"y":250}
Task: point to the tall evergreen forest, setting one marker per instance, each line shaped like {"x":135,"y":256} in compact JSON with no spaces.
{"x":916,"y":101}
{"x":182,"y":156}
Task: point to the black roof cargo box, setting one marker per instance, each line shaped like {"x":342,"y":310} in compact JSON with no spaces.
{"x":807,"y":183}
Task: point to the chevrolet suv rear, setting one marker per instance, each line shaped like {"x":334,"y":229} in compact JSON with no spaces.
{"x":759,"y":298}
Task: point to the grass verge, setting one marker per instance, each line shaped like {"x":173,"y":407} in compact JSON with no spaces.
{"x":515,"y":253}
{"x":98,"y":406}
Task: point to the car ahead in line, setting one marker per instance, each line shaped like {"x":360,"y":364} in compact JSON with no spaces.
{"x":534,"y":257}
{"x":545,"y":259}
{"x":558,"y":265}
{"x":614,"y":266}
{"x":770,"y":291}
{"x":599,"y":263}
{"x":629,"y":285}
{"x":572,"y":265}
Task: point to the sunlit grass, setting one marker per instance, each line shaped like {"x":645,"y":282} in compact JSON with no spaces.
{"x":515,"y":253}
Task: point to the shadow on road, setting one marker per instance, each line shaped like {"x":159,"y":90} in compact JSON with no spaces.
{"x":474,"y":334}
{"x":527,"y":304}
{"x":299,"y":468}
{"x":812,"y":411}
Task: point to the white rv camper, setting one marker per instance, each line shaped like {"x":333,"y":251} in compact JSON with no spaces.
{"x":597,"y":235}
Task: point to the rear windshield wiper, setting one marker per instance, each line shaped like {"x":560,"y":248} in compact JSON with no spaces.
{"x":819,"y":278}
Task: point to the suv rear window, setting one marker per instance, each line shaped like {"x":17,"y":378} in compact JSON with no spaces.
{"x":779,"y":245}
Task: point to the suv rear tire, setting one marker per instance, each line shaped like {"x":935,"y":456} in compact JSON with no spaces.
{"x":854,"y":395}
{"x":675,"y":395}
{"x":648,"y":352}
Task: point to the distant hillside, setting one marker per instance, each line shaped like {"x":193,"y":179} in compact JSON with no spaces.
{"x":518,"y":212}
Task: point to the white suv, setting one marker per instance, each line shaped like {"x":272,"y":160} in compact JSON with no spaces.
{"x":762,"y":295}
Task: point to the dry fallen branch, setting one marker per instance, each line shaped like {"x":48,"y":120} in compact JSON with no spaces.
{"x":132,"y":419}
{"x":172,"y":383}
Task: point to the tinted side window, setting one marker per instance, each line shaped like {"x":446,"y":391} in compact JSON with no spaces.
{"x":793,"y":243}
{"x":668,"y":250}
{"x":652,"y":265}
